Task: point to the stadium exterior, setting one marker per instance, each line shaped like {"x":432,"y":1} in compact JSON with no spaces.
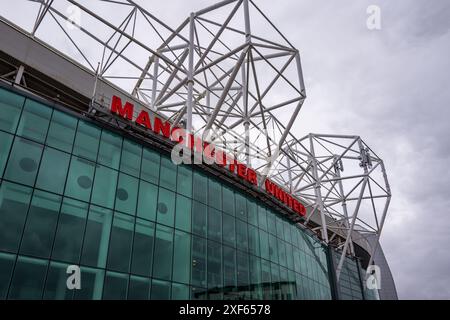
{"x":87,"y":176}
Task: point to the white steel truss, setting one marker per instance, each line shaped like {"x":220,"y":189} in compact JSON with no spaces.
{"x":228,"y":74}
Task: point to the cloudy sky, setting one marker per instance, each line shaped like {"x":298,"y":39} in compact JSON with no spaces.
{"x":390,"y":86}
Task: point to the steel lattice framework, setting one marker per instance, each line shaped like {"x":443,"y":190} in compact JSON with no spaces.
{"x":228,"y":74}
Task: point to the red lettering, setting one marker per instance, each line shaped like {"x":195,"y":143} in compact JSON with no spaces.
{"x":221,"y":158}
{"x":242,"y":170}
{"x":160,"y":127}
{"x":252,"y":177}
{"x":143,"y":119}
{"x":123,"y":111}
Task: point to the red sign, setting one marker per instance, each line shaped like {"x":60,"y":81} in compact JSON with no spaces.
{"x":196,"y":144}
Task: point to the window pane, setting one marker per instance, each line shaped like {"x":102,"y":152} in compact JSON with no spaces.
{"x":148,"y":195}
{"x":24,"y":161}
{"x":214,"y":266}
{"x":13,"y":210}
{"x":199,"y":218}
{"x":182,"y":257}
{"x":273,"y":250}
{"x":215,"y":194}
{"x":5,"y":146}
{"x":139,"y":288}
{"x":184,"y":181}
{"x":241,"y":235}
{"x":116,"y":285}
{"x":214,"y":225}
{"x":131,"y":158}
{"x":91,"y":284}
{"x":266,"y":279}
{"x":275,"y":274}
{"x":255,"y":277}
{"x":162,"y":269}
{"x":34,"y":121}
{"x":183,"y":213}
{"x":262,"y":218}
{"x":160,"y":290}
{"x":200,"y":190}
{"x":6,"y":268}
{"x":282,"y":252}
{"x":62,"y":131}
{"x":28,"y":279}
{"x":252,"y":213}
{"x":264,"y":244}
{"x":53,"y":170}
{"x":87,"y":140}
{"x":141,"y":262}
{"x":166,"y":207}
{"x":180,"y":291}
{"x":110,"y":149}
{"x":168,"y":175}
{"x":242,"y":273}
{"x":69,"y":234}
{"x":126,"y":194}
{"x":150,"y":166}
{"x":119,"y":254}
{"x":79,"y":180}
{"x":271,"y":224}
{"x":229,"y":270}
{"x":11,"y":106}
{"x":104,"y":189}
{"x":41,"y":225}
{"x":98,"y":229}
{"x":253,"y":240}
{"x":228,"y":200}
{"x":287,"y":232}
{"x":198,"y":262}
{"x":55,"y":285}
{"x":228,"y":234}
{"x":241,"y":208}
{"x":280,"y":228}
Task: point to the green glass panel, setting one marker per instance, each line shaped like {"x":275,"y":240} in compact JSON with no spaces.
{"x":214,"y":267}
{"x":53,"y":171}
{"x":287,"y":232}
{"x":35,"y":121}
{"x":160,"y":290}
{"x":214,"y":225}
{"x":182,"y":257}
{"x":242,"y":272}
{"x":138,"y":288}
{"x":11,"y":107}
{"x":253,"y":240}
{"x":162,"y":268}
{"x":198,"y":276}
{"x":96,"y":239}
{"x":115,"y":287}
{"x":200,"y":187}
{"x":144,"y":237}
{"x":264,"y":244}
{"x":241,"y":207}
{"x":241,"y":235}
{"x":271,"y":222}
{"x":62,"y":130}
{"x":282,"y":253}
{"x":28,"y":280}
{"x":183,"y":213}
{"x":91,"y":284}
{"x":229,"y":268}
{"x":262,"y":218}
{"x":215,"y":194}
{"x":150,"y":166}
{"x":110,"y":149}
{"x":119,"y":254}
{"x":280,"y":227}
{"x":55,"y":285}
{"x":79,"y":180}
{"x":184,"y":181}
{"x":289,"y":256}
{"x":275,"y":275}
{"x":130,"y":161}
{"x":252,"y":213}
{"x":69,"y":234}
{"x":148,"y":195}
{"x":126,"y":194}
{"x":87,"y":140}
{"x":273,"y":249}
{"x":104,"y":190}
{"x":199,"y":212}
{"x":6,"y":268}
{"x":255,"y":277}
{"x":24,"y":161}
{"x":41,"y":225}
{"x":229,"y":233}
{"x":5,"y":146}
{"x":180,"y":291}
{"x":166,"y":207}
{"x":168,"y":174}
{"x":266,"y":279}
{"x":13,"y":211}
{"x":228,"y":200}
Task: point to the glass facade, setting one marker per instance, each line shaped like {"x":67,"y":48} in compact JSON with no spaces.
{"x":140,"y":227}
